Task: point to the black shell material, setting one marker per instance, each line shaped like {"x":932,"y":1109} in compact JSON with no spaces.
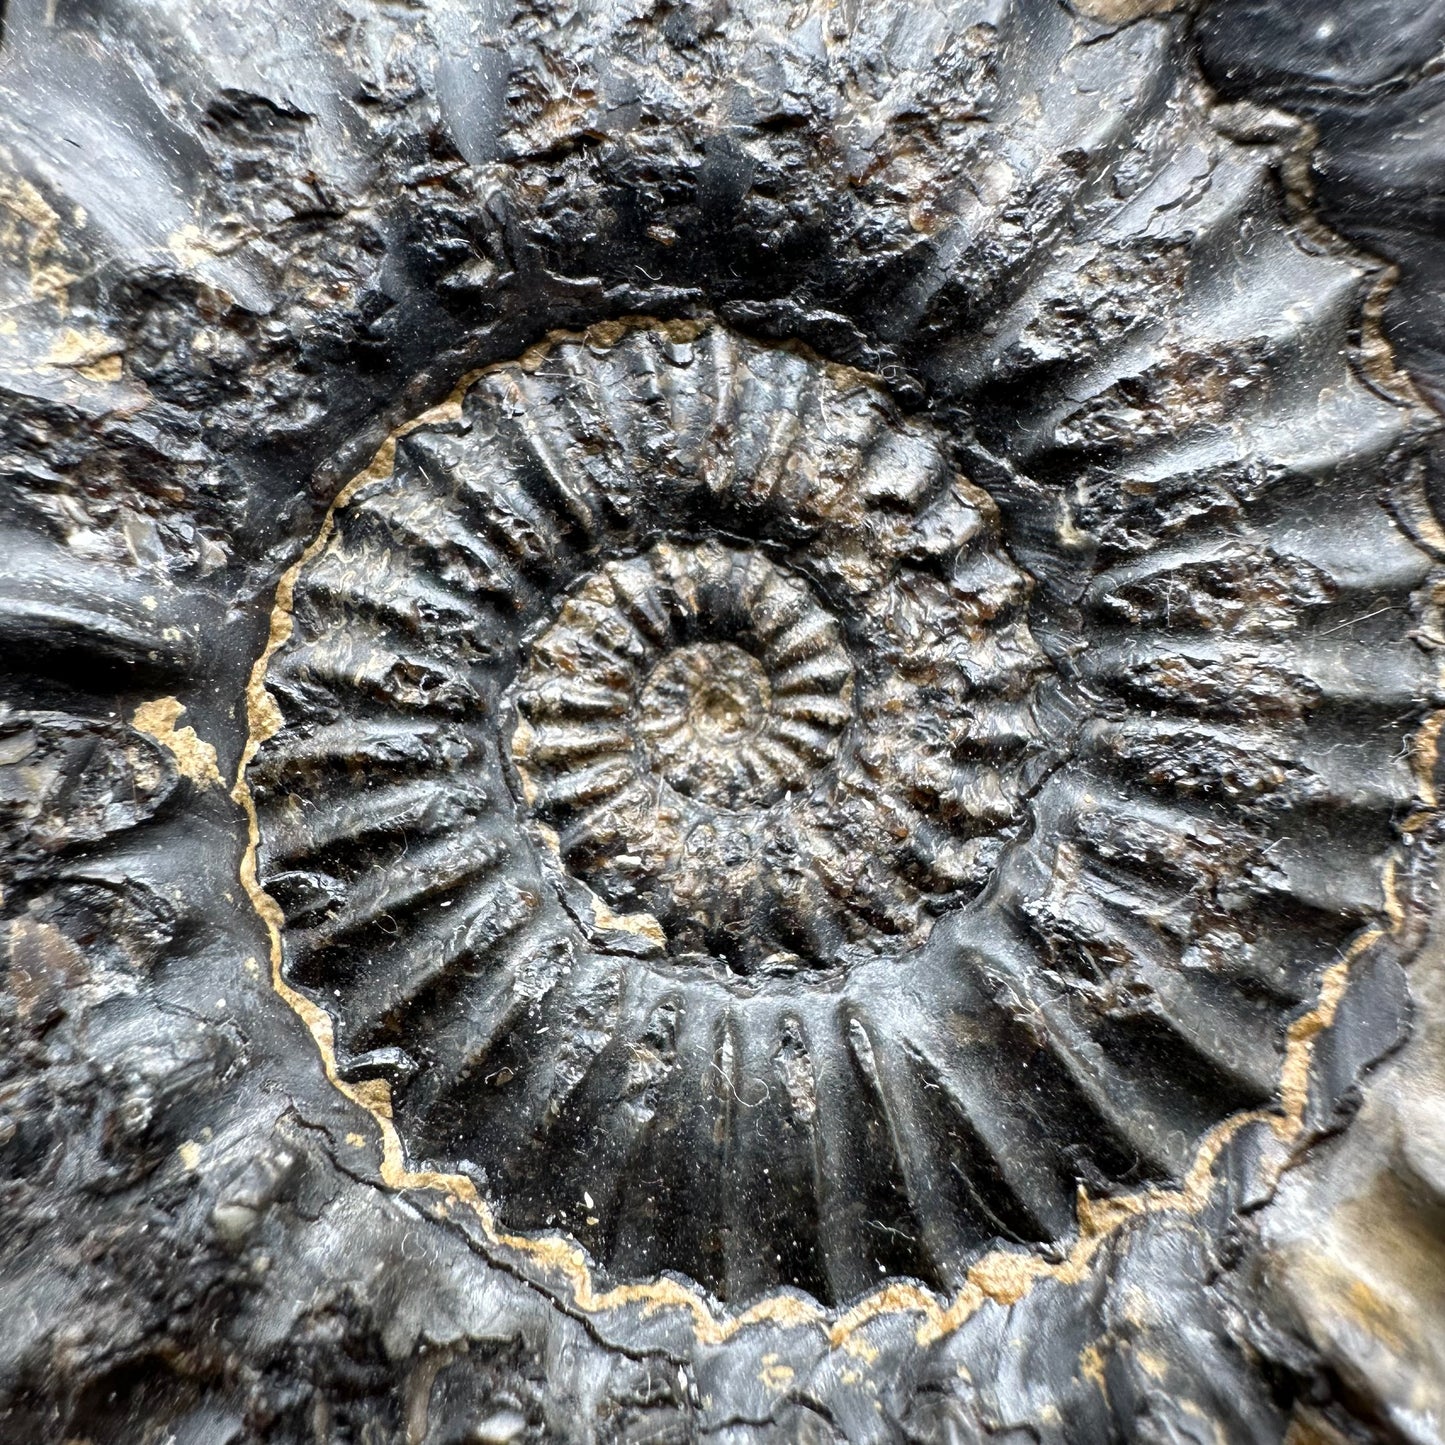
{"x":718,"y":721}
{"x":733,"y":857}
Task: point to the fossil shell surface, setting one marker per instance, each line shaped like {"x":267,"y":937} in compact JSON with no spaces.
{"x":719,"y":721}
{"x":640,"y":727}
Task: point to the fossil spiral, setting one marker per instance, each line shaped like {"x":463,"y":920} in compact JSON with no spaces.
{"x":684,"y":797}
{"x":719,"y":720}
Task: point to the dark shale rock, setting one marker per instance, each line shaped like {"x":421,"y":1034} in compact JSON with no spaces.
{"x":719,"y":722}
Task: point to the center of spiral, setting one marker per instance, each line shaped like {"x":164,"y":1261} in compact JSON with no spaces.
{"x":680,"y":723}
{"x":700,"y":713}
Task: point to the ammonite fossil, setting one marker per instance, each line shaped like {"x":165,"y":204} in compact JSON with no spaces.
{"x":719,"y":721}
{"x":734,"y":857}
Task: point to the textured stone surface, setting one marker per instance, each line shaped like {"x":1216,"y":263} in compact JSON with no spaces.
{"x":719,"y":722}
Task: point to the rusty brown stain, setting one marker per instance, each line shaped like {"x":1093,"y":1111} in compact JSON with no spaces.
{"x":1091,"y":1368}
{"x":775,"y":1376}
{"x":44,"y":965}
{"x":91,"y":354}
{"x":1307,"y":1427}
{"x":30,"y":231}
{"x":195,"y":759}
{"x":1123,"y":12}
{"x":1424,"y":748}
